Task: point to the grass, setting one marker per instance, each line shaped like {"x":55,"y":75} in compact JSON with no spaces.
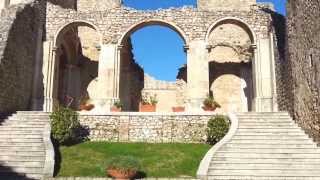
{"x":157,"y":160}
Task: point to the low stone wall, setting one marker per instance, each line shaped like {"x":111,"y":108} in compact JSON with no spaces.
{"x":147,"y":127}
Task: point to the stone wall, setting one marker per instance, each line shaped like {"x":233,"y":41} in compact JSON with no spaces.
{"x":147,"y":127}
{"x":304,"y":62}
{"x":225,"y":4}
{"x":20,"y":37}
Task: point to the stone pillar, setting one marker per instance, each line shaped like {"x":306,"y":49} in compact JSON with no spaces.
{"x":198,"y":75}
{"x":107,"y":78}
{"x":48,"y":70}
{"x":4,"y":4}
{"x":263,"y":77}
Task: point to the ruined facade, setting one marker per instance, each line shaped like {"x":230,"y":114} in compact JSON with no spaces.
{"x":87,"y":56}
{"x":302,"y":78}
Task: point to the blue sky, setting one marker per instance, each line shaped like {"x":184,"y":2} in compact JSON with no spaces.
{"x":159,"y":50}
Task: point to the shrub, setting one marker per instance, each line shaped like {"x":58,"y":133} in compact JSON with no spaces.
{"x":65,"y":125}
{"x":118,"y":104}
{"x":217,"y":128}
{"x":123,"y":163}
{"x":210,"y":102}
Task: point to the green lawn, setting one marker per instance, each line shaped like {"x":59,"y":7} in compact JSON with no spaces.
{"x":157,"y":160}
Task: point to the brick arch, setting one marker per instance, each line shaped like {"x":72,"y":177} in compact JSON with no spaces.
{"x":69,"y":25}
{"x":149,"y":22}
{"x":233,"y":20}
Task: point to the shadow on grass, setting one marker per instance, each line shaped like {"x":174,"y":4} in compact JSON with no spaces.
{"x":83,"y":134}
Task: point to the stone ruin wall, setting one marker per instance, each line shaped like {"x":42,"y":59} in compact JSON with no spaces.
{"x":20,"y":45}
{"x":303,"y":64}
{"x":142,"y":127}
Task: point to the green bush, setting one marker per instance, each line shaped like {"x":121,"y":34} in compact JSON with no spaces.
{"x":217,"y":128}
{"x":65,"y":125}
{"x":123,"y":163}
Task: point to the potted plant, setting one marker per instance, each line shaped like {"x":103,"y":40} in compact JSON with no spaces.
{"x":148,"y":103}
{"x":85,"y":104}
{"x":210,"y":104}
{"x":117,"y":106}
{"x":123,"y":167}
{"x":178,"y":109}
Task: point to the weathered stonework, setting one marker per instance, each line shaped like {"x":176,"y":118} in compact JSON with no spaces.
{"x":303,"y":64}
{"x":141,"y":127}
{"x":20,"y":45}
{"x":86,"y":52}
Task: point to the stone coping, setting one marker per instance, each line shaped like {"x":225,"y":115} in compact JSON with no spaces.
{"x":151,"y":114}
{"x":48,"y":168}
{"x":202,"y":172}
{"x":95,"y":178}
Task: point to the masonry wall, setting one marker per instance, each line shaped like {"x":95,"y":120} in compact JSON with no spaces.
{"x":304,"y":62}
{"x":20,"y":30}
{"x":142,"y":127}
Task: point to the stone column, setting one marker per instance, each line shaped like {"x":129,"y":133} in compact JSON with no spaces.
{"x":49,"y":56}
{"x":4,"y":4}
{"x":198,"y":75}
{"x":263,"y":76}
{"x":107,"y":78}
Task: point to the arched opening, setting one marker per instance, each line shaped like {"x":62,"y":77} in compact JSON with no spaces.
{"x":230,"y":65}
{"x":77,"y":58}
{"x":145,"y":62}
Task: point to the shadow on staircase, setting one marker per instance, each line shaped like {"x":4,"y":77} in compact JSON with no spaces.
{"x":8,"y":173}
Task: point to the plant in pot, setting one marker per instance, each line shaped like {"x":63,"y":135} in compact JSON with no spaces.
{"x":85,"y":104}
{"x":178,"y":109}
{"x":148,"y":103}
{"x":117,"y":106}
{"x":209,"y":104}
{"x":123,"y":167}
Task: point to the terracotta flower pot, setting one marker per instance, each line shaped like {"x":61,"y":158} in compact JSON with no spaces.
{"x":115,"y":109}
{"x":86,"y":107}
{"x":178,"y":109}
{"x":147,"y":108}
{"x":121,"y":175}
{"x":209,"y":108}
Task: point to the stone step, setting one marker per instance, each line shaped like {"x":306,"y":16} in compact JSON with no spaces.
{"x":13,"y":128}
{"x":278,"y":142}
{"x":266,"y":126}
{"x":270,"y":137}
{"x":27,"y":170}
{"x":19,"y":158}
{"x":23,"y":164}
{"x":21,"y":144}
{"x":257,"y":130}
{"x":263,"y":145}
{"x":22,"y":148}
{"x":267,"y":123}
{"x":22,"y":131}
{"x":266,"y":160}
{"x":21,"y":136}
{"x":22,"y":153}
{"x":270,"y":166}
{"x":22,"y":125}
{"x":265,"y":118}
{"x":253,"y":177}
{"x":261,"y":155}
{"x":271,"y":150}
{"x":288,"y":173}
{"x":300,"y":133}
{"x":21,"y":140}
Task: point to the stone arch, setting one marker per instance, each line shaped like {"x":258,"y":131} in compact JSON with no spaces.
{"x":77,"y":58}
{"x":149,"y":22}
{"x":78,"y":23}
{"x":238,"y":21}
{"x":230,"y":42}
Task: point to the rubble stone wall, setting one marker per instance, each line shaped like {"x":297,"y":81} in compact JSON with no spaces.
{"x":144,"y":127}
{"x":20,"y":30}
{"x":303,"y":30}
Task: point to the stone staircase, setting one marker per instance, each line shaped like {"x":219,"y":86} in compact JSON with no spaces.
{"x":266,"y":146}
{"x":23,"y":148}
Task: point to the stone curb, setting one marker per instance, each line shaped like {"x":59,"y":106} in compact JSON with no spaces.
{"x":202,"y":172}
{"x":48,"y":169}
